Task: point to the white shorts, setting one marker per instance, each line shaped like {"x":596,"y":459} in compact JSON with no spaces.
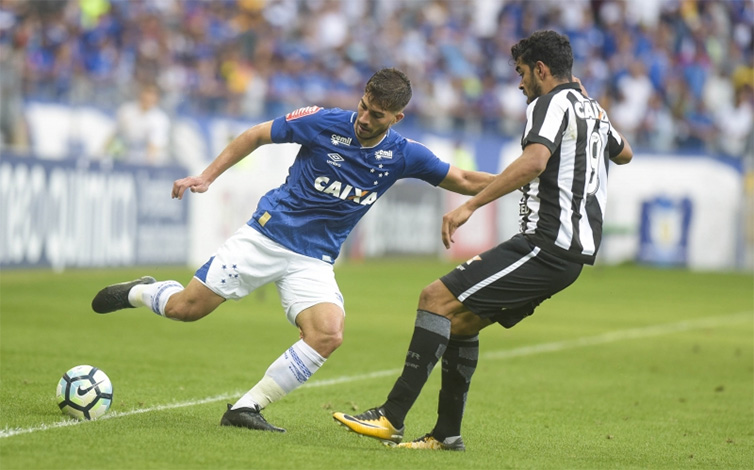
{"x":248,"y":260}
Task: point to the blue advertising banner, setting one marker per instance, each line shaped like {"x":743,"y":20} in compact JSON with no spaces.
{"x":78,"y":213}
{"x":664,"y":231}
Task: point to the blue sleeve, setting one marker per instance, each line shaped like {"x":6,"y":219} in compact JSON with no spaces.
{"x":297,"y":126}
{"x":423,"y":164}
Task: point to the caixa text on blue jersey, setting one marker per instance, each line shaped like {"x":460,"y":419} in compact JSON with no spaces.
{"x":345,"y":191}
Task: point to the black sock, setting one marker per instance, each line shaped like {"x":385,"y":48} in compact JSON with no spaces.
{"x":458,"y":365}
{"x":431,"y":333}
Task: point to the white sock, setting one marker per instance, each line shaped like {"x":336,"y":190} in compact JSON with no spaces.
{"x":155,"y":295}
{"x":287,"y":373}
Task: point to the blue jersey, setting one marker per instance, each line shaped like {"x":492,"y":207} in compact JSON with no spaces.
{"x":334,"y":181}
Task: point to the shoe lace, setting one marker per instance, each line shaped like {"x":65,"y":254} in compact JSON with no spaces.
{"x":254,"y":410}
{"x":425,"y":438}
{"x":371,"y":414}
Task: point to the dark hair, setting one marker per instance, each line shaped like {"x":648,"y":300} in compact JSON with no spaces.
{"x":553,"y":49}
{"x":390,"y":89}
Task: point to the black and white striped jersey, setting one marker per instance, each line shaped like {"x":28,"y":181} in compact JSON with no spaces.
{"x":562,"y":210}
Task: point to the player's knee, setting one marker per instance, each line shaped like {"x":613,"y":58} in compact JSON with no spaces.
{"x":428,"y":296}
{"x":436,"y":298}
{"x":334,"y":341}
{"x":325,"y":343}
{"x":322,"y":328}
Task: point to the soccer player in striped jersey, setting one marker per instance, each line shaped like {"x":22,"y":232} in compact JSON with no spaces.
{"x":568,"y":144}
{"x":347,"y":160}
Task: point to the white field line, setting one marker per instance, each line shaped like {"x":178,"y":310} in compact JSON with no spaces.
{"x":605,"y":338}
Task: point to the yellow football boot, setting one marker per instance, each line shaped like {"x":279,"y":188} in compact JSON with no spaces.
{"x":430,"y":443}
{"x":371,"y":423}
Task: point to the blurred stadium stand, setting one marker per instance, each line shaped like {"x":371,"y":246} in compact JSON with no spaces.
{"x":675,"y":75}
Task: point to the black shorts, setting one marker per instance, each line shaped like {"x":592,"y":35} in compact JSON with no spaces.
{"x":506,"y":283}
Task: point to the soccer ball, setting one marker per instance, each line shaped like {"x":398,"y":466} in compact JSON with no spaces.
{"x":85,"y":392}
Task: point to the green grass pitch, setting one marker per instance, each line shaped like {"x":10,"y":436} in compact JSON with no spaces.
{"x":629,"y":368}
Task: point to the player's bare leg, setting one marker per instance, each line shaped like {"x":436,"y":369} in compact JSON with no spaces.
{"x":192,"y":303}
{"x":321,"y":329}
{"x":166,"y":298}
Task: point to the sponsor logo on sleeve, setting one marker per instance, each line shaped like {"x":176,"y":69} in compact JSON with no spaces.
{"x":301,"y":112}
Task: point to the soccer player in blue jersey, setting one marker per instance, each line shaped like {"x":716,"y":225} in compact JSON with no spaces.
{"x":347,"y":160}
{"x":567,"y":145}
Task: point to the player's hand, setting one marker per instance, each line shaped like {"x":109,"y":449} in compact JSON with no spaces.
{"x":451,"y":221}
{"x":583,"y":90}
{"x":196,"y":184}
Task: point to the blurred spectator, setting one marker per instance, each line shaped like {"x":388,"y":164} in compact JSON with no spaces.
{"x":635,"y":90}
{"x":13,"y":133}
{"x":658,"y":129}
{"x":142,"y":131}
{"x":652,"y":60}
{"x":697,"y":129}
{"x":735,"y":122}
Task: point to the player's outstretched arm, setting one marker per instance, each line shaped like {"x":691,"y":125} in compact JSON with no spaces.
{"x":466,"y":182}
{"x":250,"y":140}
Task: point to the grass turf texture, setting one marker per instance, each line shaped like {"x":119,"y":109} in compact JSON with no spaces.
{"x":628,"y":368}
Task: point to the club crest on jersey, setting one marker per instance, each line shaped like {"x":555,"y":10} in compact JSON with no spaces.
{"x":335,"y":159}
{"x":380,"y":154}
{"x":339,"y":139}
{"x":301,"y":112}
{"x":345,"y":191}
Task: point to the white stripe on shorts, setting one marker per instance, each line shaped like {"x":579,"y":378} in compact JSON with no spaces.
{"x":509,"y":269}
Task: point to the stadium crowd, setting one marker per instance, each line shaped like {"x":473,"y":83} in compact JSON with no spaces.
{"x":674,"y":74}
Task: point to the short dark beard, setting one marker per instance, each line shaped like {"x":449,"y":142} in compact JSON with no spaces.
{"x":535,"y":91}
